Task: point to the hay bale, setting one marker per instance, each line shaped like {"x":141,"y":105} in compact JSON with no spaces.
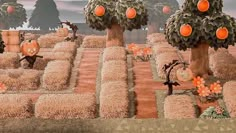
{"x":56,"y":75}
{"x":221,"y":57}
{"x":20,"y":79}
{"x":156,"y":37}
{"x":41,"y":63}
{"x":9,"y":60}
{"x":229,"y":93}
{"x":15,"y":106}
{"x":225,"y":71}
{"x":49,"y":40}
{"x":179,"y":107}
{"x":93,"y":41}
{"x":114,"y":101}
{"x":31,"y":36}
{"x":69,"y":47}
{"x":66,"y":106}
{"x":115,"y":70}
{"x":159,"y":49}
{"x":211,"y":51}
{"x":166,"y":58}
{"x":114,"y":53}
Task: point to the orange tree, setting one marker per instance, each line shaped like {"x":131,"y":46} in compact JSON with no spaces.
{"x":115,"y":16}
{"x":12,"y":14}
{"x":158,"y":12}
{"x":200,"y":24}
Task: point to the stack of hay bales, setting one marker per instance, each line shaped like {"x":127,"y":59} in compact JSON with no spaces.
{"x":20,"y":79}
{"x":179,"y":107}
{"x":223,"y":64}
{"x":41,"y":63}
{"x":155,"y":38}
{"x":93,"y":41}
{"x":66,"y":106}
{"x":31,"y":36}
{"x":164,"y":54}
{"x":68,"y":47}
{"x":15,"y":106}
{"x":9,"y":60}
{"x":56,"y":75}
{"x":49,"y":40}
{"x":11,"y":40}
{"x":114,"y":101}
{"x":229,"y":92}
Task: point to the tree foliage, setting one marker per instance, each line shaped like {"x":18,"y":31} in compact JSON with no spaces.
{"x":204,"y":26}
{"x":15,"y":19}
{"x":45,"y":15}
{"x":115,"y":13}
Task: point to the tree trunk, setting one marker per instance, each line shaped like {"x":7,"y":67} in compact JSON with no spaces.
{"x":199,"y":60}
{"x":153,"y":28}
{"x":115,"y":36}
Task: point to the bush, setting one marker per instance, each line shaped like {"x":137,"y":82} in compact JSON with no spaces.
{"x":9,"y":60}
{"x":114,"y":101}
{"x":66,"y":106}
{"x":20,"y":79}
{"x":93,"y":41}
{"x":114,"y":53}
{"x":179,"y":107}
{"x":229,"y":93}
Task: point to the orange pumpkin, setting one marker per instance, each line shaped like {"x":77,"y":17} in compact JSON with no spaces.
{"x":203,"y":5}
{"x":184,"y":74}
{"x":131,"y":13}
{"x":99,"y":11}
{"x":3,"y":88}
{"x":222,"y":33}
{"x":62,"y":32}
{"x":166,"y":9}
{"x":186,"y":30}
{"x":30,"y":48}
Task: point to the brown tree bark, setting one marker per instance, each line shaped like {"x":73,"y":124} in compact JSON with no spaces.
{"x":115,"y":36}
{"x":199,"y":61}
{"x":153,"y":28}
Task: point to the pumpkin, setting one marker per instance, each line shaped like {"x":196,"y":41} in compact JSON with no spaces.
{"x":99,"y":11}
{"x":131,"y":13}
{"x":203,"y":5}
{"x":222,"y":33}
{"x":184,"y":74}
{"x":29,"y":47}
{"x":186,"y":30}
{"x":166,"y":9}
{"x":62,"y":32}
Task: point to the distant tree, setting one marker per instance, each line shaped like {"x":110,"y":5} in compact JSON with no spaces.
{"x":45,"y":15}
{"x":12,"y":14}
{"x":158,"y":12}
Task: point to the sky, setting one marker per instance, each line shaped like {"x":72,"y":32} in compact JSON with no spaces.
{"x":73,"y":11}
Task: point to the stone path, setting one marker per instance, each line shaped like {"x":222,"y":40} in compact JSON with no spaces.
{"x":87,"y":71}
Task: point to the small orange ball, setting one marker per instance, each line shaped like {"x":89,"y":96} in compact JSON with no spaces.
{"x":166,"y":10}
{"x":222,"y":33}
{"x":203,"y":5}
{"x":99,"y":11}
{"x":131,"y":13}
{"x":186,"y":30}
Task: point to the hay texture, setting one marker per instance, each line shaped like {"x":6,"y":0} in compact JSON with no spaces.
{"x":229,"y":93}
{"x":66,"y":106}
{"x":163,"y":48}
{"x":20,"y":79}
{"x":15,"y":106}
{"x":114,"y":101}
{"x":223,"y":65}
{"x":41,"y":63}
{"x":93,"y":41}
{"x":31,"y":36}
{"x":114,"y":53}
{"x":56,"y":75}
{"x":67,"y":47}
{"x":49,"y":40}
{"x":166,"y":58}
{"x":115,"y":70}
{"x":179,"y":107}
{"x":9,"y":60}
{"x":156,"y":37}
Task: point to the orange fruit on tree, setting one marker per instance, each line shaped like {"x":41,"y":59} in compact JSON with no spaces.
{"x":222,"y":33}
{"x":131,"y":13}
{"x":186,"y":30}
{"x":99,"y":11}
{"x":166,"y":9}
{"x":203,"y":5}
